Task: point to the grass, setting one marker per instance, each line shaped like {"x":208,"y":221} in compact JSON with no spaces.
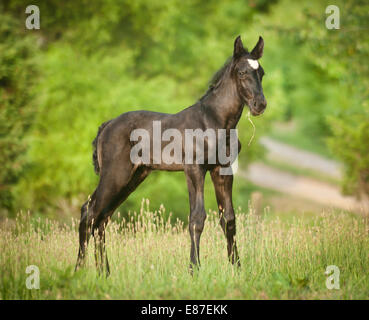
{"x":149,"y":258}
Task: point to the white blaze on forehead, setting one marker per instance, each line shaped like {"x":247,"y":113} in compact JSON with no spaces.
{"x":253,"y":63}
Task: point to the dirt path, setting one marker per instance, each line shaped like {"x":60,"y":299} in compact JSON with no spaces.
{"x":299,"y":186}
{"x":282,"y":152}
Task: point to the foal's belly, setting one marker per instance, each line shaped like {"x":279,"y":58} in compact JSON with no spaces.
{"x":166,"y":167}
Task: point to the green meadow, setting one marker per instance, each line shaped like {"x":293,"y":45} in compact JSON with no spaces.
{"x":149,"y":255}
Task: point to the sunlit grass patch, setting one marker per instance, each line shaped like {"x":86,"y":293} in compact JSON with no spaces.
{"x":149,"y":258}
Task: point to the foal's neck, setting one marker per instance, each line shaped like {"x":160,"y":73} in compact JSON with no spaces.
{"x":224,"y":104}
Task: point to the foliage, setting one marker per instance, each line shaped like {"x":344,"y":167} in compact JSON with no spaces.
{"x":349,"y":123}
{"x":138,"y":55}
{"x":100,"y":59}
{"x":18,"y":70}
{"x":328,"y":88}
{"x":351,"y":144}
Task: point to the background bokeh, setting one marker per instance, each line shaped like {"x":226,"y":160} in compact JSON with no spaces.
{"x":93,"y":60}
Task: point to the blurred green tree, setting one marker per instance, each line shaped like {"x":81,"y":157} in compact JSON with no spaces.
{"x":101,"y":59}
{"x":343,"y":53}
{"x":332,"y":104}
{"x":18,"y":72}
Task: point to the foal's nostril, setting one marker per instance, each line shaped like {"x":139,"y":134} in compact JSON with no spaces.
{"x":262,"y":104}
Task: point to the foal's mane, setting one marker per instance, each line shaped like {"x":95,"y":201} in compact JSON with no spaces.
{"x":218,"y":77}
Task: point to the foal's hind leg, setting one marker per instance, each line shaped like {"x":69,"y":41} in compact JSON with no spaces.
{"x":223,"y":191}
{"x":111,"y":203}
{"x":85,"y":230}
{"x":103,"y":201}
{"x":101,"y":257}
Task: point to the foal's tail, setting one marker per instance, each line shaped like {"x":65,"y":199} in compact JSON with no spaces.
{"x":94,"y":145}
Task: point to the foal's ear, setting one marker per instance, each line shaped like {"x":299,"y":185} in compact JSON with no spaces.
{"x":257,"y":52}
{"x":238,"y":50}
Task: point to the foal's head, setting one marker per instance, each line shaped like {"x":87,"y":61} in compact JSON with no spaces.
{"x":248,"y":74}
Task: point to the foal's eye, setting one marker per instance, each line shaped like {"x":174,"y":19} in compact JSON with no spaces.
{"x":241,"y":73}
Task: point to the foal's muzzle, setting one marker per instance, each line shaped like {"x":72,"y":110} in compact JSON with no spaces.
{"x":257,"y":107}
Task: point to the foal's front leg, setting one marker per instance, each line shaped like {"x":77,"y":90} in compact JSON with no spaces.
{"x":195,"y":176}
{"x":223,"y":191}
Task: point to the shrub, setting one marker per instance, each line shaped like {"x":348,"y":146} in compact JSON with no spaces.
{"x":18,"y":71}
